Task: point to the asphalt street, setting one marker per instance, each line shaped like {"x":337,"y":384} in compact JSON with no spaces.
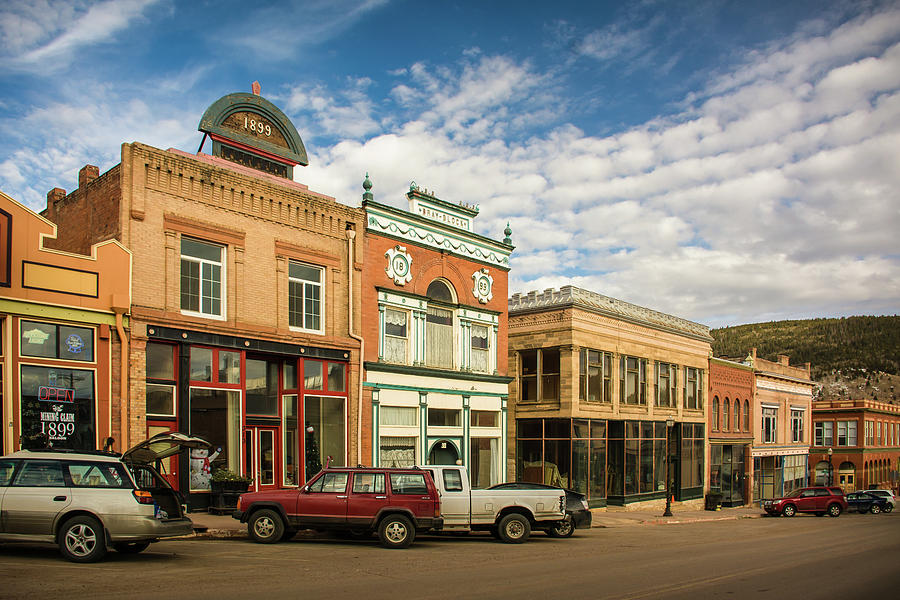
{"x":803,"y":557}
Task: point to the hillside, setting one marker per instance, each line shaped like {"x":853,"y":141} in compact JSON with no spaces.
{"x":850,"y":357}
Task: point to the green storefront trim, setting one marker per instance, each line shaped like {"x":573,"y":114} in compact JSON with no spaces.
{"x":57,"y":313}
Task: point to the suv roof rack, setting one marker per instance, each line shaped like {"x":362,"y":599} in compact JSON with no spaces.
{"x":74,"y":451}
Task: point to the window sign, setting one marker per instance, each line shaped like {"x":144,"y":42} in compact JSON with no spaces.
{"x":60,"y":404}
{"x":48,"y":340}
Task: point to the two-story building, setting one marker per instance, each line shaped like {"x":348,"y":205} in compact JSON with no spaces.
{"x":63,"y":318}
{"x":782,"y":409}
{"x":243,"y":292}
{"x":856,"y":444}
{"x":731,"y":391}
{"x":606,"y":394}
{"x":434,"y":324}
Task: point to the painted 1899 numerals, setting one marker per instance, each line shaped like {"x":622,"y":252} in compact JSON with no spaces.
{"x":257,"y":127}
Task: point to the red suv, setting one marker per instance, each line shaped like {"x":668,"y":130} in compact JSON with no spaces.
{"x":394,"y":502}
{"x":818,"y":500}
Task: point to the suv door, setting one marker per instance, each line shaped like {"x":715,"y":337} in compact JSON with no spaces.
{"x":37,"y":495}
{"x":324,"y":501}
{"x":806,"y":501}
{"x":822,"y":498}
{"x":367,"y":496}
{"x":455,"y":499}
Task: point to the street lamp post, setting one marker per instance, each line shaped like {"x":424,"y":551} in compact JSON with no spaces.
{"x":830,"y":468}
{"x":670,"y":422}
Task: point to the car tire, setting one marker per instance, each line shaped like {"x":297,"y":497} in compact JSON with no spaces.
{"x":82,"y":540}
{"x":888,"y":508}
{"x":834,"y":510}
{"x":265,"y":526}
{"x":131,"y":547}
{"x":495,"y":532}
{"x":562,"y":529}
{"x":875,"y":509}
{"x":396,"y":531}
{"x":514,"y":529}
{"x":789,"y":510}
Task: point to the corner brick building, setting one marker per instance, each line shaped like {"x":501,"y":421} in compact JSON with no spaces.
{"x":240,"y":326}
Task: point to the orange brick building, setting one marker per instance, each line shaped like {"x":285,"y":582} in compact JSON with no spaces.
{"x":434,"y":323}
{"x":856,"y":444}
{"x":241,"y":313}
{"x":63,"y":317}
{"x":730,"y":423}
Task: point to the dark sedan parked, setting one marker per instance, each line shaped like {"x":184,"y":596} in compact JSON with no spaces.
{"x":863,"y":502}
{"x":576,"y":507}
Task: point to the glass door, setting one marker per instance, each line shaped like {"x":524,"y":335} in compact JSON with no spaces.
{"x":261,"y":457}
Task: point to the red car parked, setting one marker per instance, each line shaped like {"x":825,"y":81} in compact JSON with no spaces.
{"x":394,"y":502}
{"x":818,"y":500}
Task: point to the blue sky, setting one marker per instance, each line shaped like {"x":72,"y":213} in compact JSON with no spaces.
{"x":726,"y":162}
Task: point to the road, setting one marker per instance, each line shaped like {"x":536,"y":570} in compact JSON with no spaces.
{"x":803,"y":557}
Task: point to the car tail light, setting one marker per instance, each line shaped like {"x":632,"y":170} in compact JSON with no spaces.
{"x":437,"y":509}
{"x":143,"y":497}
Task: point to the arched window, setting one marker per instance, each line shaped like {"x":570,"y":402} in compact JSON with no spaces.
{"x":439,"y":326}
{"x":726,"y":415}
{"x":737,"y":414}
{"x":746,"y":415}
{"x":715,"y":413}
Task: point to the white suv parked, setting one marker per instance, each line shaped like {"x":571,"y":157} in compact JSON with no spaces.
{"x":86,"y":501}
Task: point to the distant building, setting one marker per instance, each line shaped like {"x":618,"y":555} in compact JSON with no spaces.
{"x":730,"y":422}
{"x":63,"y":319}
{"x":856,"y":444}
{"x":596,"y":381}
{"x":782,"y":408}
{"x":434,"y":321}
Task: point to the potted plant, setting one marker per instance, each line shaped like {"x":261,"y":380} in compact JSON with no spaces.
{"x":225,"y":487}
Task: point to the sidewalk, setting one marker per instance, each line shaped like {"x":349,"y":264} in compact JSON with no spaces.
{"x":223,"y":526}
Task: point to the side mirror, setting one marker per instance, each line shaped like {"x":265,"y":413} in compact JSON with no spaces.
{"x":304,"y":489}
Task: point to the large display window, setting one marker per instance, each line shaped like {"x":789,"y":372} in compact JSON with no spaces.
{"x":59,"y":403}
{"x":215,"y":415}
{"x":51,"y":340}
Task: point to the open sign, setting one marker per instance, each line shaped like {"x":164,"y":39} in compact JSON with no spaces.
{"x":54,"y":394}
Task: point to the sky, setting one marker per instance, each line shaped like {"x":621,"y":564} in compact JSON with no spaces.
{"x":725,"y":162}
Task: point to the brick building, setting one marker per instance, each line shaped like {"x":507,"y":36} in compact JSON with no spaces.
{"x":241,"y":308}
{"x":782,"y":411}
{"x":62,"y":321}
{"x":856,"y":444}
{"x":604,"y":393}
{"x":434,"y":322}
{"x":730,"y":424}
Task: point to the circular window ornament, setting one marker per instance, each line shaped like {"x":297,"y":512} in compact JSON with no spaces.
{"x":398,"y":265}
{"x":484,"y":283}
{"x":74,"y":344}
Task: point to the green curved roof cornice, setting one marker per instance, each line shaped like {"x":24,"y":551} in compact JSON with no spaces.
{"x":215,"y":116}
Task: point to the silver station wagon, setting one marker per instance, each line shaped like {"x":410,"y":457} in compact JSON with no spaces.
{"x":87,"y":502}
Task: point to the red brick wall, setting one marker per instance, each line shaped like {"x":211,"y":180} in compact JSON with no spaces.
{"x":89,"y":214}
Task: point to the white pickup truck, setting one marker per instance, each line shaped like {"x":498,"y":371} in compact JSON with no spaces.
{"x":510,"y":515}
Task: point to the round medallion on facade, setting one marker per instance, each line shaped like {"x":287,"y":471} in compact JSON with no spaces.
{"x":398,"y":265}
{"x":484,"y":285}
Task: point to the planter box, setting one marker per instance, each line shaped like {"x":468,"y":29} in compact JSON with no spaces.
{"x":224,"y":495}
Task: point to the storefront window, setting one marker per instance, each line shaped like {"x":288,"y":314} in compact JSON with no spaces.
{"x":160,"y":371}
{"x":336,"y":377}
{"x":48,"y":340}
{"x":326,"y":416}
{"x":262,"y":387}
{"x":692,"y":464}
{"x":484,"y":418}
{"x":60,"y":404}
{"x":215,"y":415}
{"x":397,"y":451}
{"x":201,"y":364}
{"x":483,"y":463}
{"x":291,"y":451}
{"x":312,"y":375}
{"x":229,"y":367}
{"x":443,"y":417}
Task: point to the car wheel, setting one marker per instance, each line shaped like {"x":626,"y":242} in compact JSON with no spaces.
{"x":131,"y":547}
{"x":875,"y":509}
{"x":562,"y":529}
{"x":834,"y":510}
{"x":265,"y":526}
{"x":788,"y":510}
{"x":514,"y":528}
{"x":396,"y":531}
{"x":82,"y":540}
{"x":888,"y":508}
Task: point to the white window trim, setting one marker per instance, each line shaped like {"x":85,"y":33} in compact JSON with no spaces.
{"x":223,"y":284}
{"x":322,"y":288}
{"x":174,"y":399}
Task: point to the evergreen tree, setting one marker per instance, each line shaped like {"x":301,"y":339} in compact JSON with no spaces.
{"x":313,"y":462}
